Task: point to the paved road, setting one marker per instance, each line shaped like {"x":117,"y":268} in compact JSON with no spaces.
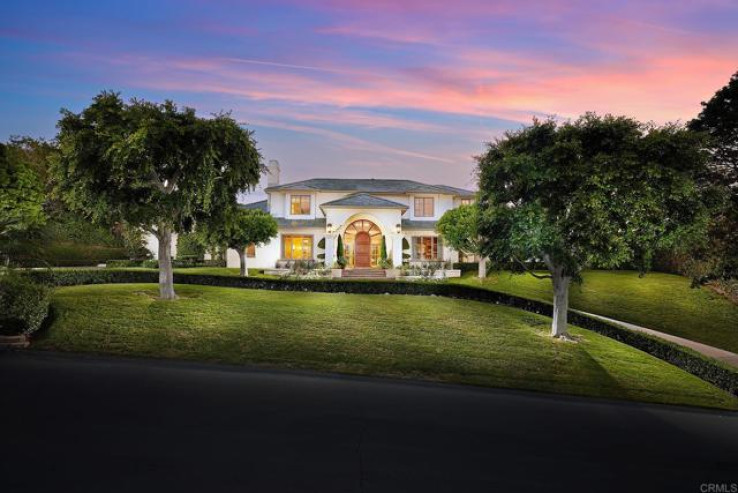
{"x":73,"y":423}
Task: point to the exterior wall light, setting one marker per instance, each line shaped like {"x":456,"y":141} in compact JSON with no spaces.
{"x":398,"y":228}
{"x":329,"y":228}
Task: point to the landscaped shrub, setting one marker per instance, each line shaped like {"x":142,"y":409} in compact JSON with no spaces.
{"x":190,"y":247}
{"x":23,"y":304}
{"x":467,"y":266}
{"x":706,"y":369}
{"x":150,"y":264}
{"x":120,"y":264}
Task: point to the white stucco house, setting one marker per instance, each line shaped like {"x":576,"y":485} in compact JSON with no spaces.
{"x":361,"y":212}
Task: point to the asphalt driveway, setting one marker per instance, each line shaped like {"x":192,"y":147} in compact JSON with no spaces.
{"x":74,"y":423}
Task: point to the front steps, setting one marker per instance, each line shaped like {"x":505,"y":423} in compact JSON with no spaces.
{"x":364,"y":273}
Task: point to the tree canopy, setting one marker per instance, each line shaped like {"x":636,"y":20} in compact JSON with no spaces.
{"x":460,"y":229}
{"x":22,"y":198}
{"x":719,"y":121}
{"x":240,"y":228}
{"x":599,"y":191}
{"x":152,"y":165}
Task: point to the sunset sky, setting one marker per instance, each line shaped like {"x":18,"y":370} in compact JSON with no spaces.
{"x":382,"y":89}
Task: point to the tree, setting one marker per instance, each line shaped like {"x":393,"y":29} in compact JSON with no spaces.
{"x":22,"y":198}
{"x":153,"y":166}
{"x":340,"y":259}
{"x":459,"y":228}
{"x":719,"y":120}
{"x":241,"y":228}
{"x":597,"y":192}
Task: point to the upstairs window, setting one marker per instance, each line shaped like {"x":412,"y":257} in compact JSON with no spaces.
{"x":300,"y":205}
{"x":423,"y":206}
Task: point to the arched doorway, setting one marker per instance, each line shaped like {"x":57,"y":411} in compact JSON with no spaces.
{"x":363,"y":243}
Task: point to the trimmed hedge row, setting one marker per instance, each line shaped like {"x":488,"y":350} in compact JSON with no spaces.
{"x":706,"y":369}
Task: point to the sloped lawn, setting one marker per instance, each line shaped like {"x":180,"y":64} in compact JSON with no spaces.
{"x":406,"y":336}
{"x":662,"y":302}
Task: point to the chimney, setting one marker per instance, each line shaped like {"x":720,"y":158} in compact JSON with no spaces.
{"x":273,"y":173}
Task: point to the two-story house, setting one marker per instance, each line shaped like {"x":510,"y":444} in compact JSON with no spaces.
{"x":361,"y":212}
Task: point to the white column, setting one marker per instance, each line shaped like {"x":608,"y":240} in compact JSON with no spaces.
{"x":330,"y":249}
{"x":397,"y":250}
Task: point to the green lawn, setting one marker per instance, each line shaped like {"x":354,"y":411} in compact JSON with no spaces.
{"x":209,"y":271}
{"x":662,"y":302}
{"x":408,"y":336}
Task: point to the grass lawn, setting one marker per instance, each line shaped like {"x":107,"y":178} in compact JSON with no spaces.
{"x":407,"y":336}
{"x":662,"y":302}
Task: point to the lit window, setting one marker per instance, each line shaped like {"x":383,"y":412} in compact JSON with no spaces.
{"x":467,"y":201}
{"x":251,"y":250}
{"x":423,"y":206}
{"x":300,"y":205}
{"x":425,"y":248}
{"x":297,"y":247}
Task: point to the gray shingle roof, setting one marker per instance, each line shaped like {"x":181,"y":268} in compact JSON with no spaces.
{"x":262,"y":205}
{"x":368,"y":186}
{"x":300,"y":223}
{"x":364,"y":200}
{"x":410,"y":225}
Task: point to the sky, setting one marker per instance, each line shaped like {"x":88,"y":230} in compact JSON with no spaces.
{"x":369,"y":88}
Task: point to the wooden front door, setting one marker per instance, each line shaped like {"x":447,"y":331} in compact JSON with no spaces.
{"x":362,"y":250}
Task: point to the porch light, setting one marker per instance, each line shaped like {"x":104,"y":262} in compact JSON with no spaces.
{"x":329,"y":227}
{"x":398,"y":228}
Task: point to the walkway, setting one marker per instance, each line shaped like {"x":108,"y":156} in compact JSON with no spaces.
{"x":709,"y":351}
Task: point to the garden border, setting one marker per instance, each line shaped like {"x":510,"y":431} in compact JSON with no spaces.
{"x":709,"y":370}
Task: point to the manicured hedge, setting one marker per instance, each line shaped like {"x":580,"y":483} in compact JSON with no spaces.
{"x":23,"y":304}
{"x":467,"y":266}
{"x":121,"y":264}
{"x":706,"y":369}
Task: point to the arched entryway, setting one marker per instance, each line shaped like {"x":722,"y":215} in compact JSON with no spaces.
{"x":363,"y":243}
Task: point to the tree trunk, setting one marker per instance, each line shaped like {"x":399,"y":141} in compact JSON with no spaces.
{"x":561,"y":284}
{"x":482,"y":268}
{"x":166,"y":276}
{"x":244,"y":267}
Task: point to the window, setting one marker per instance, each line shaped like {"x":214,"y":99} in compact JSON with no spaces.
{"x":300,"y":205}
{"x":425,"y":248}
{"x":423,"y":206}
{"x":251,"y":250}
{"x":297,"y":247}
{"x":467,"y":201}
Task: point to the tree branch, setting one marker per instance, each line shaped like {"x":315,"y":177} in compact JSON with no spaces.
{"x":529,"y":271}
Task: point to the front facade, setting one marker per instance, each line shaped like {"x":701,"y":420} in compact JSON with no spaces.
{"x":313,"y":214}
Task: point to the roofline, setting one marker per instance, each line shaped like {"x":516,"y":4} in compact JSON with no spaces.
{"x":441,"y":191}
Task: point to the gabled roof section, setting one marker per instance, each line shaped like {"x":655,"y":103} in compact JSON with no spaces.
{"x":364,"y":201}
{"x":261,"y":205}
{"x":372,"y":186}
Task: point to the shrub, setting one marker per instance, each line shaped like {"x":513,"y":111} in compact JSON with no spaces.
{"x":23,"y":304}
{"x":150,"y":264}
{"x":120,"y":264}
{"x":190,"y":247}
{"x":467,"y":266}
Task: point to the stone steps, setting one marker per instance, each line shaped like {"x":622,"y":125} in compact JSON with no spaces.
{"x":364,"y":273}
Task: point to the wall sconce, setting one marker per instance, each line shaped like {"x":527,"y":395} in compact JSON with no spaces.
{"x":329,"y":228}
{"x":398,"y":228}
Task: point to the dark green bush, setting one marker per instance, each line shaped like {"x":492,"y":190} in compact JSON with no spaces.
{"x":24,"y":304}
{"x":190,"y":247}
{"x":150,"y":264}
{"x":120,"y":264}
{"x":706,"y":369}
{"x":467,"y":266}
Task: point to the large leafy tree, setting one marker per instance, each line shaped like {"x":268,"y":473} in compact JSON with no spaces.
{"x":240,"y":228}
{"x":22,"y":198}
{"x":719,"y":120}
{"x":596,"y":192}
{"x":460,"y":229}
{"x":153,"y":166}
